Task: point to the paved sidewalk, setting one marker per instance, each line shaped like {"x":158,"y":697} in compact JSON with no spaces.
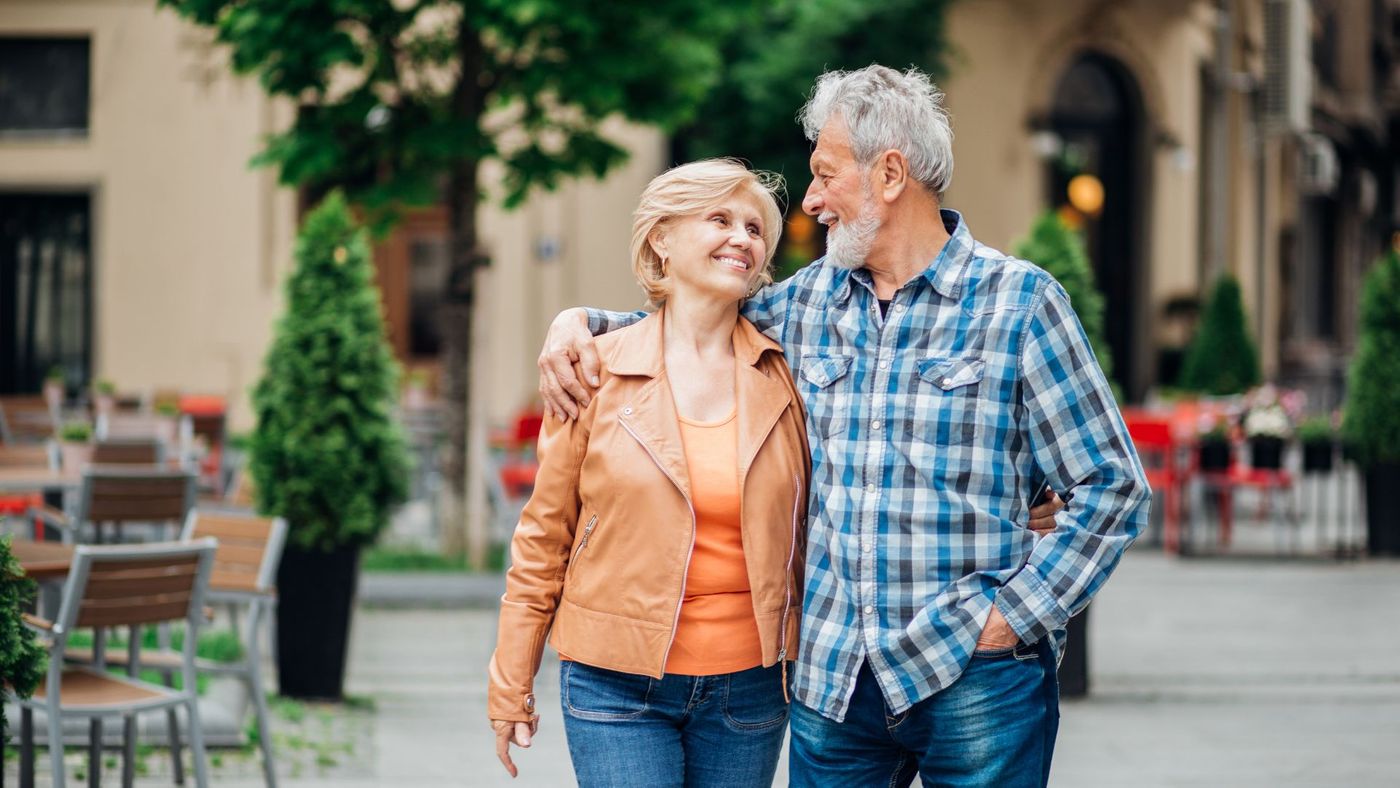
{"x":1205,"y":673}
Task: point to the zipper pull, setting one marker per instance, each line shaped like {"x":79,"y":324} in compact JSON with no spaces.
{"x":587,"y":531}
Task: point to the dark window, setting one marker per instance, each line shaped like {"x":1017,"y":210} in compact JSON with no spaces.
{"x":44,"y":85}
{"x":45,"y":290}
{"x":428,"y":261}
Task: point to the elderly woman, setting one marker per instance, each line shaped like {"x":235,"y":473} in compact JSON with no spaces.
{"x":658,"y":551}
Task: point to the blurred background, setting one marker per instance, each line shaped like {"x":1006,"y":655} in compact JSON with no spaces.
{"x":1217,"y":182}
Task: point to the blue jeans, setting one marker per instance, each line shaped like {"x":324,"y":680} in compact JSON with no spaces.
{"x":995,"y":726}
{"x":630,"y":730}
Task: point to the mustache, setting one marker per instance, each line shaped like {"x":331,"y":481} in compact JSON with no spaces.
{"x":826,"y":217}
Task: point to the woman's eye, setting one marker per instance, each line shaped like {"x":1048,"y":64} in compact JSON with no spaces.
{"x":718,"y":220}
{"x":754,"y":231}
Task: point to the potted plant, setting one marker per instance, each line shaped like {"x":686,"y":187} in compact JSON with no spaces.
{"x":167,"y":423}
{"x":75,"y":445}
{"x":1214,"y":443}
{"x":326,"y":453}
{"x":1319,"y":439}
{"x":1371,"y":426}
{"x":104,"y":396}
{"x":23,"y":661}
{"x":1268,"y":424}
{"x":55,"y":388}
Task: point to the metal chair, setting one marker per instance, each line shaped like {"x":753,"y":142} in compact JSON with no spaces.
{"x":244,"y":577}
{"x":128,"y":451}
{"x":120,"y":586}
{"x":120,"y":495}
{"x":27,"y":419}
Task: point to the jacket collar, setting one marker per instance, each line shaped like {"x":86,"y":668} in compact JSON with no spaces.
{"x":650,"y":415}
{"x":642,"y":351}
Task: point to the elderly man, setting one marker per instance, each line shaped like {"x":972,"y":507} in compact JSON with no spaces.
{"x":943,"y":380}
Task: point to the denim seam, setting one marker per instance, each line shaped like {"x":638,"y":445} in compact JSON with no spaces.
{"x":601,"y":716}
{"x":750,"y":726}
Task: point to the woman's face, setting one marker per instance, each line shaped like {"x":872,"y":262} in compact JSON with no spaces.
{"x":717,"y":253}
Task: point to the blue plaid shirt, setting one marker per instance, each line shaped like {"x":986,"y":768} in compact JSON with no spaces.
{"x":928,"y":428}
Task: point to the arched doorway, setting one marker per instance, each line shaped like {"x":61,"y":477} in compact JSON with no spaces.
{"x":1098,"y":115}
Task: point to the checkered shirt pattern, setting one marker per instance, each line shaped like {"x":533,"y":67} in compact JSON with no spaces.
{"x":928,"y":428}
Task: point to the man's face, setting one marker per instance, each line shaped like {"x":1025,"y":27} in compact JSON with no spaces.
{"x":840,"y":197}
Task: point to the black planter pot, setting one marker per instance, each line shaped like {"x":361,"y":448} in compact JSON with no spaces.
{"x":1073,"y":674}
{"x":1215,"y":455}
{"x":1266,"y":453}
{"x":1383,"y":509}
{"x":1317,"y":456}
{"x":316,"y":594}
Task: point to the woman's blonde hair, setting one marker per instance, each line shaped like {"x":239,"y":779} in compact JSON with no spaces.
{"x":690,"y":189}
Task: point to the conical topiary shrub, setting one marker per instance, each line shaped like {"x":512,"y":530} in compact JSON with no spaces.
{"x":326,"y":453}
{"x":1058,"y":249}
{"x":1371,"y":427}
{"x":1222,"y":358}
{"x":22,"y":659}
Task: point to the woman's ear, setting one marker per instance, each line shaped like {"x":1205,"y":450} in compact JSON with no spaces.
{"x":657,"y":240}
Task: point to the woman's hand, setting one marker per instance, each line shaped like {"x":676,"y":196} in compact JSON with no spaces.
{"x":1043,"y":516}
{"x":517,"y":733}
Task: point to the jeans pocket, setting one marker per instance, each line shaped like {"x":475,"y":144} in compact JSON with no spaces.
{"x":753,"y":699}
{"x":599,"y":694}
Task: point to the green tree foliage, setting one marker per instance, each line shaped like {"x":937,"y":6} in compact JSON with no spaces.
{"x":771,"y":64}
{"x":1222,"y":358}
{"x":22,"y":659}
{"x":1060,"y":251}
{"x":1372,"y":423}
{"x":327,"y":454}
{"x":400,"y":101}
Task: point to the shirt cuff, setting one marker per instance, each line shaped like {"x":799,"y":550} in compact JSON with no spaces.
{"x":597,"y":321}
{"x":1029,"y":607}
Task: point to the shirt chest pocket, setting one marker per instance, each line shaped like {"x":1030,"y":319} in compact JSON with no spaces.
{"x":826,"y":387}
{"x":944,"y":406}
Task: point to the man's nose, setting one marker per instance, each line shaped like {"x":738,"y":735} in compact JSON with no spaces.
{"x":812,"y":201}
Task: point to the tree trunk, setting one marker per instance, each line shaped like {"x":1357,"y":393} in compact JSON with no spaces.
{"x":459,"y":296}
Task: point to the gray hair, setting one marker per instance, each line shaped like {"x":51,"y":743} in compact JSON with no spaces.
{"x":884,"y":110}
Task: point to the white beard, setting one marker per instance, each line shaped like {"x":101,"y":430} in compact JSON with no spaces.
{"x":849,"y":243}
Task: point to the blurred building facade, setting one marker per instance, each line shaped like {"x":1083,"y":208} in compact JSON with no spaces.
{"x":137,"y":245}
{"x":1258,"y":138}
{"x":1255,"y":137}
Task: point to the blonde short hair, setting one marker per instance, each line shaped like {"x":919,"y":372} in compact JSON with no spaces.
{"x":690,"y":189}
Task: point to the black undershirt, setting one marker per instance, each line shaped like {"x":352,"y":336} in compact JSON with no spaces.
{"x":884,"y":306}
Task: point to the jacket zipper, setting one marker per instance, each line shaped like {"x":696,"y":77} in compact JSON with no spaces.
{"x":587,"y":531}
{"x":787,"y":588}
{"x":675,"y":622}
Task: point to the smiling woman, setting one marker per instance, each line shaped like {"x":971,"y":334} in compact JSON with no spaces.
{"x":658,"y":548}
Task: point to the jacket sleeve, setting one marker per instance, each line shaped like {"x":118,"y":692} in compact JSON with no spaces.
{"x":539,"y":552}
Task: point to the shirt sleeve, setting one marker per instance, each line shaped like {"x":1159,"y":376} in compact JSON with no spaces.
{"x":768,"y":308}
{"x":601,"y":321}
{"x":1078,"y":438}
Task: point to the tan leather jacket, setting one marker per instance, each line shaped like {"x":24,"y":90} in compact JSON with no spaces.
{"x":603,"y":546}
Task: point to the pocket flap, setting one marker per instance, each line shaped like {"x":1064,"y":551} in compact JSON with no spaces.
{"x":822,"y":371}
{"x":949,"y":374}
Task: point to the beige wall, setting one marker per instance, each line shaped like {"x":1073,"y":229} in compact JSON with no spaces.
{"x":187,"y":242}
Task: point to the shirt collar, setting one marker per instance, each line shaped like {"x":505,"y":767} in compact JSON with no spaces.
{"x":944,"y":274}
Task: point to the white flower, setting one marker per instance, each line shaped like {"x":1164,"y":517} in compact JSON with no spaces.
{"x":1270,"y":421}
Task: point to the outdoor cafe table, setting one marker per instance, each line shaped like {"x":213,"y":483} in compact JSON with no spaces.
{"x":22,"y":479}
{"x":42,"y":561}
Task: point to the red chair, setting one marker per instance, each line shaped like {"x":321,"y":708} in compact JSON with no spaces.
{"x":1159,"y":451}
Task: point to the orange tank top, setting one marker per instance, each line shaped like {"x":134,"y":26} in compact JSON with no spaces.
{"x":717,"y":632}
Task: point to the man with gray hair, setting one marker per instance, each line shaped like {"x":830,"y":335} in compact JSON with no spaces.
{"x":943,"y":382}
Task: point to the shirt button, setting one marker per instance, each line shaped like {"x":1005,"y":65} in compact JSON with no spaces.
{"x":885,"y":364}
{"x":875,"y":425}
{"x":899,"y":307}
{"x":864,"y":546}
{"x":627,"y":411}
{"x":869,"y":610}
{"x":870,"y":488}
